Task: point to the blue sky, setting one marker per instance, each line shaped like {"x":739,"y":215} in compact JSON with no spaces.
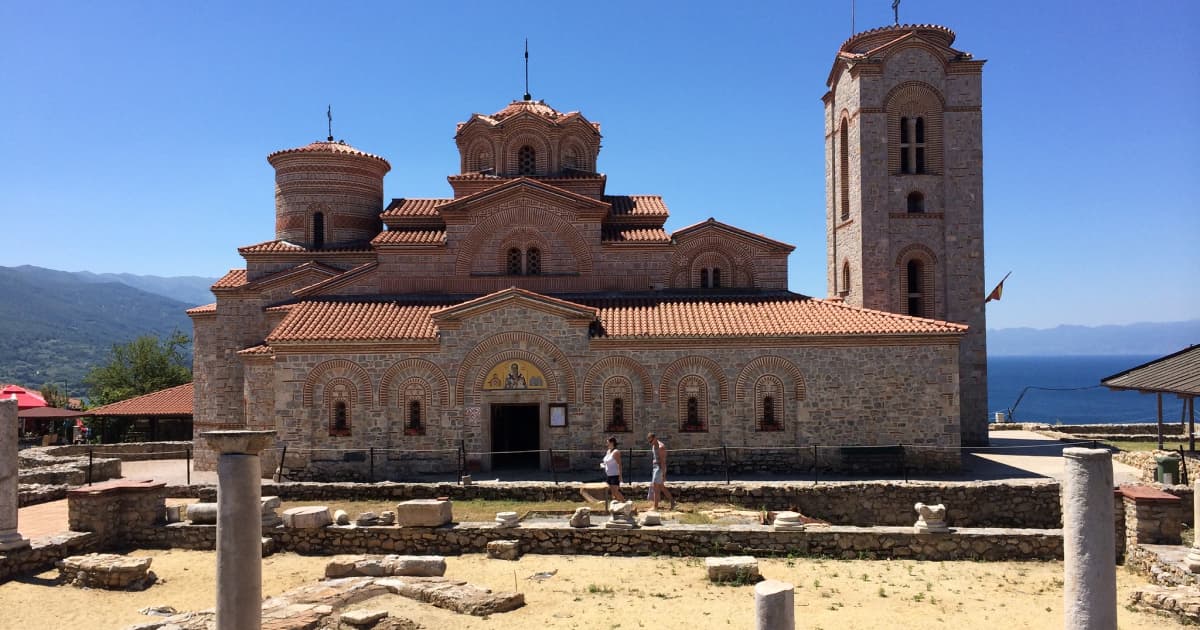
{"x":136,"y":132}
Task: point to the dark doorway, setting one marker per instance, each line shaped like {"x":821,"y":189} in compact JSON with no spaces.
{"x":515,"y":428}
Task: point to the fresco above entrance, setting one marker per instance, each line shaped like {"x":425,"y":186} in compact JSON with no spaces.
{"x":516,"y":374}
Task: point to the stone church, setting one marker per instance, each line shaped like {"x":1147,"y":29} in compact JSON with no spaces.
{"x":531,"y":313}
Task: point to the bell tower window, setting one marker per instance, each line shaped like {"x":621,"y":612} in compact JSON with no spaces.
{"x":916,"y":202}
{"x":533,"y":261}
{"x":318,"y":230}
{"x":526,"y":161}
{"x":912,"y":145}
{"x":916,"y":297}
{"x":513,"y":262}
{"x":844,"y":168}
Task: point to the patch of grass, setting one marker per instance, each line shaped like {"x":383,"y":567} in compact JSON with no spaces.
{"x":599,"y":590}
{"x":1126,"y":445}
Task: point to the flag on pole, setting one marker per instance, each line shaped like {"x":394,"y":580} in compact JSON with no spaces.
{"x":995,"y":294}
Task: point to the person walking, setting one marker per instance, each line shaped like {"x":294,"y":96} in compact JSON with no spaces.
{"x":658,"y":474}
{"x":612,"y":469}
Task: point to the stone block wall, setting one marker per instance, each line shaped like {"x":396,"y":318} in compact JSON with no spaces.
{"x":1151,"y":516}
{"x":114,"y":509}
{"x":126,"y":452}
{"x":44,"y":552}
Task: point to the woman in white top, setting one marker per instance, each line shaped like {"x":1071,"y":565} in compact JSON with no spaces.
{"x":612,"y":469}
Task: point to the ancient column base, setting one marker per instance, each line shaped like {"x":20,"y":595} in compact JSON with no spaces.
{"x":1192,"y":562}
{"x":11,"y":540}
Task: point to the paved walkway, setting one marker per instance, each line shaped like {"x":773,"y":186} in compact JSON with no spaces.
{"x":1012,"y":455}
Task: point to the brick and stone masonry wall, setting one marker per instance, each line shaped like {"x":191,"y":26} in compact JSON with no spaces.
{"x":44,"y":552}
{"x":126,"y":452}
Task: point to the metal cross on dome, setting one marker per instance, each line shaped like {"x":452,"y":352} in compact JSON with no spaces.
{"x":896,"y":11}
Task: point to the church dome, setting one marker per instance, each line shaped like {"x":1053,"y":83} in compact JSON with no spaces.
{"x":327,"y":146}
{"x":867,"y":41}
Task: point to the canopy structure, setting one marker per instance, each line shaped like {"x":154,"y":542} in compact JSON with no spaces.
{"x":162,"y":415}
{"x":1175,"y":374}
{"x":25,"y":398}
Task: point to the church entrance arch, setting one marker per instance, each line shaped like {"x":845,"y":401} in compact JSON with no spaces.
{"x":515,"y":436}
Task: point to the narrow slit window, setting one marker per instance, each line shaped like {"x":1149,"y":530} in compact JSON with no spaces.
{"x":414,"y":416}
{"x":845,"y":278}
{"x":618,"y":414}
{"x":716,"y":278}
{"x":693,"y":413}
{"x":768,"y":411}
{"x":318,"y":230}
{"x":915,"y":295}
{"x":340,"y":422}
{"x":844,"y":168}
{"x":704,"y":277}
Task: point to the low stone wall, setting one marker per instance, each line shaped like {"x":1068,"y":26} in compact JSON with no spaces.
{"x":1032,"y":504}
{"x":672,"y":540}
{"x":44,"y":552}
{"x":1145,"y":462}
{"x":1169,"y":428}
{"x":126,"y":451}
{"x":35,"y":493}
{"x":114,"y":509}
{"x":1147,"y":562}
{"x":37,"y":465}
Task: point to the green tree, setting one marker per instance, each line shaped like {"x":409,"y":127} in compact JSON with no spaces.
{"x":144,"y":365}
{"x":55,"y":396}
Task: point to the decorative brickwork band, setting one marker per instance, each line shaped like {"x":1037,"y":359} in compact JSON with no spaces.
{"x":769,"y":365}
{"x":693,"y":365}
{"x":617,"y":365}
{"x":415,"y":368}
{"x":350,"y":370}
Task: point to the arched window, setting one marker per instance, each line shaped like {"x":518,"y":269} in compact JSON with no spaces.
{"x":845,"y":288}
{"x":339,"y":424}
{"x":912,"y":144}
{"x":513,"y":262}
{"x":533,"y":261}
{"x":916,"y":297}
{"x":526,"y":161}
{"x":617,"y":391}
{"x":916,"y":202}
{"x":716,"y":278}
{"x":318,"y":230}
{"x":768,"y":412}
{"x":414,"y":416}
{"x":704,"y":277}
{"x":844,"y":168}
{"x":692,"y":401}
{"x":618,"y":415}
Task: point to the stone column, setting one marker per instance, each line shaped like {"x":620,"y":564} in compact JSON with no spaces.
{"x":1089,"y":545}
{"x":10,"y":538}
{"x":773,"y":606}
{"x":239,"y":527}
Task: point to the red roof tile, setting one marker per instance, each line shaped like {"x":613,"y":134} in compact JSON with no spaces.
{"x":637,"y":205}
{"x":363,"y":321}
{"x":414,"y":207}
{"x":201,"y":310}
{"x":275,"y":247}
{"x":413,"y":237}
{"x":232,"y":280}
{"x":324,"y":146}
{"x":635,"y":235}
{"x":754,"y":316}
{"x":256,"y":350}
{"x":786,"y":315}
{"x":173,"y":401}
{"x":270,"y":246}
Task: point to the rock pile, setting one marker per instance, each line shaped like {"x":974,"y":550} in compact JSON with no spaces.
{"x":107,"y":571}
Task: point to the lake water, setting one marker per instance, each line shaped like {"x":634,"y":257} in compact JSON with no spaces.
{"x":1007,"y":376}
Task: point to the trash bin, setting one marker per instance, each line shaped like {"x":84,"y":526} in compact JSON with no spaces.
{"x":1166,"y":469}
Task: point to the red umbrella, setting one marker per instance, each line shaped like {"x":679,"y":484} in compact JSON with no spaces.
{"x":25,"y":398}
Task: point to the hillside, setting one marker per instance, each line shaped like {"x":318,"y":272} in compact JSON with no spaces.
{"x":1132,"y":339}
{"x":57,"y":325}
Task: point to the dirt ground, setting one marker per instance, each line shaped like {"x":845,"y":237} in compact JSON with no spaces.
{"x":599,"y":592}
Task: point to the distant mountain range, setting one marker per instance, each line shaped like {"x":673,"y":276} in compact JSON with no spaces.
{"x":56,"y":325}
{"x":1131,"y":339}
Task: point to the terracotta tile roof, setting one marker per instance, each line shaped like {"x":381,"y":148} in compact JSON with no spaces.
{"x":511,"y":293}
{"x":414,"y":207}
{"x":275,"y":247}
{"x":712,"y":223}
{"x":637,"y":205}
{"x":326,"y":146}
{"x":173,"y":401}
{"x":734,"y":316}
{"x":414,"y":237}
{"x":232,"y":280}
{"x":616,"y":234}
{"x":256,"y":350}
{"x":270,"y":246}
{"x":363,"y":321}
{"x":201,"y":310}
{"x":777,"y":315}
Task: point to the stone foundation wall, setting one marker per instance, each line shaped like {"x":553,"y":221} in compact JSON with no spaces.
{"x":33,"y":494}
{"x":672,"y":540}
{"x":38,"y":465}
{"x":44,"y":552}
{"x":862,"y":503}
{"x":1146,"y":562}
{"x":127,"y":452}
{"x":115,"y":509}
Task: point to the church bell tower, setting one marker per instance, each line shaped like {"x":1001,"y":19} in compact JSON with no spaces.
{"x":904,"y":189}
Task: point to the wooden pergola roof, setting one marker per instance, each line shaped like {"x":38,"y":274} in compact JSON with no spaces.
{"x":1177,"y":373}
